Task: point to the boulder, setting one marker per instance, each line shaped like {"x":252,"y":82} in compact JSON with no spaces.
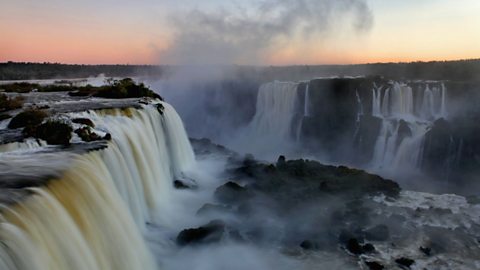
{"x":374,"y":265}
{"x":54,"y":132}
{"x":209,"y":233}
{"x":405,"y":262}
{"x":30,"y":117}
{"x":87,"y":135}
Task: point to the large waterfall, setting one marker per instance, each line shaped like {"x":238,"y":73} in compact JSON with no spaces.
{"x":93,"y":215}
{"x":405,"y":121}
{"x":274,"y":125}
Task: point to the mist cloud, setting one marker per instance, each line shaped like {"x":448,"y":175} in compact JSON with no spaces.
{"x":246,"y":34}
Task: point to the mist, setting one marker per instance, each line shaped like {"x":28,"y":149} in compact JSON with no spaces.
{"x":247,"y":34}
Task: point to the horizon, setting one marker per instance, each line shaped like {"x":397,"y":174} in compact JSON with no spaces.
{"x":157,"y":33}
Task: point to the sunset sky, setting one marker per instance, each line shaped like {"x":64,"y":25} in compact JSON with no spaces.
{"x":144,"y":32}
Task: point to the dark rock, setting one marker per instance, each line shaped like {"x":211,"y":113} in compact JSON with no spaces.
{"x":354,"y":247}
{"x":107,"y":137}
{"x":365,"y":138}
{"x":374,"y":265}
{"x":232,"y":192}
{"x":426,"y":250}
{"x":309,"y":245}
{"x":84,"y":121}
{"x":87,"y":135}
{"x":29,"y":117}
{"x":179,"y":184}
{"x":368,"y":248}
{"x":55,"y":132}
{"x":281,"y":161}
{"x":210,"y":233}
{"x":404,"y":131}
{"x":4,"y":116}
{"x":377,"y":233}
{"x":405,"y":262}
{"x":160,"y":108}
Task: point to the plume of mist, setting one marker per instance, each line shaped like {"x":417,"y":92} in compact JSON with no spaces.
{"x":245,"y":34}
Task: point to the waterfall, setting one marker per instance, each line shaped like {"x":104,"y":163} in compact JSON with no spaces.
{"x":306,"y":111}
{"x":93,"y":215}
{"x":393,"y":150}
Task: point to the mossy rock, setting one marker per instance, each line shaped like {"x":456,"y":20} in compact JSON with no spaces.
{"x":8,"y":104}
{"x":55,"y":132}
{"x":30,"y":117}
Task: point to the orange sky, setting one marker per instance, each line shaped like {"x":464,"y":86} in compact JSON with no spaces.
{"x":91,"y":33}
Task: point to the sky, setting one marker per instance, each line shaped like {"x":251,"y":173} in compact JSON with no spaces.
{"x":263,"y":32}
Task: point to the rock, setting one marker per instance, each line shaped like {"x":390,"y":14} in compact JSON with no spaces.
{"x":55,"y":132}
{"x":84,"y":121}
{"x":209,"y":233}
{"x":87,"y":135}
{"x":426,"y":250}
{"x":404,"y":131}
{"x":30,"y":117}
{"x":281,"y":161}
{"x":5,"y":116}
{"x":7,"y":103}
{"x":309,"y":245}
{"x":160,"y":108}
{"x":107,"y":137}
{"x":374,"y":265}
{"x":354,"y":247}
{"x":405,"y":262}
{"x":231,"y":193}
{"x":377,"y":233}
{"x":180,"y":184}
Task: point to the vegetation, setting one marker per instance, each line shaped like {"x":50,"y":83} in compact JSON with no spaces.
{"x":30,"y":117}
{"x":125,"y":88}
{"x":7,"y":104}
{"x":28,"y":71}
{"x":55,"y":132}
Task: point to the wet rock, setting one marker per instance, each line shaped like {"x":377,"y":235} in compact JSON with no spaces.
{"x":83,"y":121}
{"x":374,"y":265}
{"x":426,"y":251}
{"x":309,"y":245}
{"x":87,"y":135}
{"x":231,"y":193}
{"x":30,"y":117}
{"x":107,"y":137}
{"x":405,"y":262}
{"x":160,"y":108}
{"x":5,"y":116}
{"x":55,"y":132}
{"x":183,"y":184}
{"x":281,"y":161}
{"x":209,"y":233}
{"x":377,"y":233}
{"x":354,"y":247}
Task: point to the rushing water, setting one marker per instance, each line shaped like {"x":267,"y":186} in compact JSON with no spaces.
{"x":93,"y":216}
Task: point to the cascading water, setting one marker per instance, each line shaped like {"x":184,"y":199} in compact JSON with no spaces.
{"x":273,"y":126}
{"x":404,"y":123}
{"x":93,"y":216}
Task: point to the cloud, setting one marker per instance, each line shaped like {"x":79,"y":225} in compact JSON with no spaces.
{"x":246,"y":34}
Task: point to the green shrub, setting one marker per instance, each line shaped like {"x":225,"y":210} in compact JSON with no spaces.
{"x":7,"y":104}
{"x":30,"y":117}
{"x":54,"y":132}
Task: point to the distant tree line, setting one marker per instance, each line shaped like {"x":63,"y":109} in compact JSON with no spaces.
{"x":460,"y":70}
{"x":28,"y":71}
